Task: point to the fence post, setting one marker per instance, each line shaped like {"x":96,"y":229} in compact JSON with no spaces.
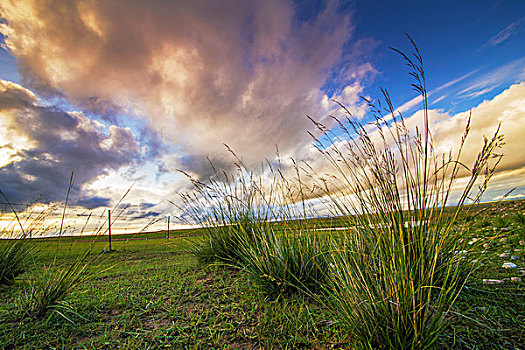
{"x":109,"y":228}
{"x":168,"y":228}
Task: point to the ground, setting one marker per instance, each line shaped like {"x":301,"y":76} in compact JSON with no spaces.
{"x":152,"y":294}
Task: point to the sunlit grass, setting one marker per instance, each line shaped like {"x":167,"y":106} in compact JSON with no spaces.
{"x":397,"y":272}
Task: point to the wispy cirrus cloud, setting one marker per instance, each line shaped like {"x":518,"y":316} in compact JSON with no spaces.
{"x":411,"y":104}
{"x":510,"y":30}
{"x":509,"y":73}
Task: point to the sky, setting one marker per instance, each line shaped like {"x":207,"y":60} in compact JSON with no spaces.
{"x":127,"y":93}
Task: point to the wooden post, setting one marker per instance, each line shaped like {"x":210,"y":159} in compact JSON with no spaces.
{"x":109,"y":228}
{"x":168,"y":228}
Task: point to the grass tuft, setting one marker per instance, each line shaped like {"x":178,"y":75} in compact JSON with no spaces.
{"x":47,"y":291}
{"x":288,"y":262}
{"x":250,"y":221}
{"x":396,"y":273}
{"x":14,"y":258}
{"x":15,"y":251}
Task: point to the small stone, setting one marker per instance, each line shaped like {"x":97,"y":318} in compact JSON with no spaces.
{"x":475,"y":261}
{"x":516,"y":279}
{"x":504,"y":255}
{"x":483,"y":252}
{"x":509,"y":265}
{"x":514,"y":257}
{"x":489,"y":281}
{"x":522,"y":242}
{"x":472,"y":241}
{"x":502,"y":240}
{"x":485,"y":245}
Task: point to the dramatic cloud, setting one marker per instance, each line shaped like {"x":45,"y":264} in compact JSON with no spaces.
{"x":203,"y":73}
{"x":41,"y":145}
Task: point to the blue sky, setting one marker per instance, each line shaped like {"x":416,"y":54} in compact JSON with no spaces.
{"x":456,"y":38}
{"x":129,"y":93}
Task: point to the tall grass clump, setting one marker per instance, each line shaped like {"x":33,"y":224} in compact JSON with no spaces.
{"x":14,"y":258}
{"x":46,"y":284}
{"x":230,"y":209}
{"x":287,"y":262}
{"x":250,"y":221}
{"x":15,"y":250}
{"x":397,"y":271}
{"x":47,"y":292}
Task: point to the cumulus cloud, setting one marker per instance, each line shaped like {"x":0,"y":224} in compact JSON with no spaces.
{"x":506,"y":111}
{"x":41,"y":145}
{"x":202,"y":73}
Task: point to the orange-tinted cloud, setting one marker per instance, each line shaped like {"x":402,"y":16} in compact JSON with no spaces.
{"x":203,"y":73}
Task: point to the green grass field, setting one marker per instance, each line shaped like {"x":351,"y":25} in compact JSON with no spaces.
{"x":152,"y":294}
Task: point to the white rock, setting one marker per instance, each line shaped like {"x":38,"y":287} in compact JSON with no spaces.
{"x":509,"y":265}
{"x":504,"y":255}
{"x":489,"y":281}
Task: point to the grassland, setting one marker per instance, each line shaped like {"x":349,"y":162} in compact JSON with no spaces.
{"x":153,"y":294}
{"x":408,"y":272}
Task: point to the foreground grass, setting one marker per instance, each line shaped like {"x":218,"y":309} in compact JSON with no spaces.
{"x":156,"y":296}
